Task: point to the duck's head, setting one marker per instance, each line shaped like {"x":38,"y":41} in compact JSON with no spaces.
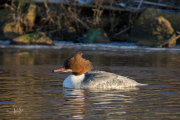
{"x":76,"y":64}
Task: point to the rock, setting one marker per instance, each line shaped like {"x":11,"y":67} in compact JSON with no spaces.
{"x":153,"y":28}
{"x":11,"y":31}
{"x":4,"y":17}
{"x":55,"y":35}
{"x":2,"y":37}
{"x":14,"y":29}
{"x":69,"y":34}
{"x":162,"y":31}
{"x":36,"y":38}
{"x":95,"y":36}
{"x":30,"y":17}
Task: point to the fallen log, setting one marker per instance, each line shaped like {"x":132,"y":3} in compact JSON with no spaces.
{"x":158,"y":4}
{"x":107,"y":7}
{"x":166,"y":44}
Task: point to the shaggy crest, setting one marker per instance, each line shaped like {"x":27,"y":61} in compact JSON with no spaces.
{"x":78,"y":64}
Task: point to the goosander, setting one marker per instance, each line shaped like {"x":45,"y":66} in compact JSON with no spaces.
{"x":82,"y":77}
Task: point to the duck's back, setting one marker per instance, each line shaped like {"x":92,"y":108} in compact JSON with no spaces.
{"x":106,"y":80}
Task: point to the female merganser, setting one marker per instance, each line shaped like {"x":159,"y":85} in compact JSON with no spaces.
{"x":81,"y":78}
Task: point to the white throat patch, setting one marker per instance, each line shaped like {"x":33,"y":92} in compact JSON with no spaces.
{"x":73,"y":81}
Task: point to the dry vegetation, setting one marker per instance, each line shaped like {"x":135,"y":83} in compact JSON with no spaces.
{"x":51,"y":17}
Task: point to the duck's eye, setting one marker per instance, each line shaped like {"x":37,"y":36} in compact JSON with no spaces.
{"x":69,"y":65}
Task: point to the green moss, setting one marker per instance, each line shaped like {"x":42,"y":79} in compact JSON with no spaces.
{"x":91,"y":36}
{"x":158,"y":46}
{"x":32,"y":37}
{"x":96,"y":36}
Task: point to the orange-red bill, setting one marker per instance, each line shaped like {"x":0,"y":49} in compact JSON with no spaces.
{"x":59,"y":70}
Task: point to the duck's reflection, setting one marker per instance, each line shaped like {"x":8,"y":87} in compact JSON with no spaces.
{"x":82,"y":104}
{"x":75,"y":100}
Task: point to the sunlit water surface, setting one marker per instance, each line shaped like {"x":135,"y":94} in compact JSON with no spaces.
{"x":29,"y":90}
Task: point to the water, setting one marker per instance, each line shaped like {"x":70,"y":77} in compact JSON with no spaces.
{"x":29,"y":90}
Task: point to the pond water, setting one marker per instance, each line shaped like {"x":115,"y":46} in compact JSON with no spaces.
{"x":29,"y":90}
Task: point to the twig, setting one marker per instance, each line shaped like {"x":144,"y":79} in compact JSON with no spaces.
{"x":157,"y":4}
{"x":139,"y":5}
{"x":112,"y":16}
{"x":122,"y":31}
{"x":6,"y":5}
{"x":137,"y":11}
{"x":178,"y":32}
{"x":87,"y":18}
{"x":87,"y":27}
